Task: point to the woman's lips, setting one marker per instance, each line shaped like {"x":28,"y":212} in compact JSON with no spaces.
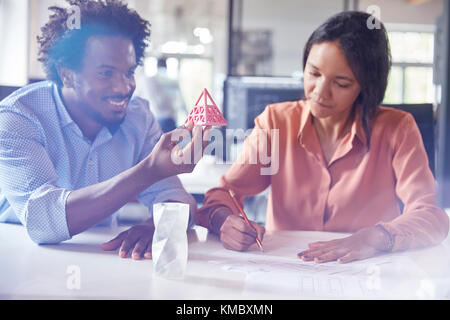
{"x":322,"y":105}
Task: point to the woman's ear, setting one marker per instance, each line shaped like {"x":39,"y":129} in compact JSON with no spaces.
{"x":67,"y":76}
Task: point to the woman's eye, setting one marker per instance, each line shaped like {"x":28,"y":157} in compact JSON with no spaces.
{"x":343,"y":85}
{"x":314,"y":74}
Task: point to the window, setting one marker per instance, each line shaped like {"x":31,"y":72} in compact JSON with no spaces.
{"x":411,"y":76}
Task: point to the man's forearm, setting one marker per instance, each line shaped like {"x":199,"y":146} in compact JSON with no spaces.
{"x":87,"y":206}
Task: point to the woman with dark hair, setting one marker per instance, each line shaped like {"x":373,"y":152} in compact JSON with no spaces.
{"x":343,"y":160}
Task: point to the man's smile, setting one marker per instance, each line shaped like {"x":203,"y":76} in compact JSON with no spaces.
{"x":118,"y":103}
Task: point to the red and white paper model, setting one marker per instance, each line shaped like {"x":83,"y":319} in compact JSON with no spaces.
{"x":205,"y":112}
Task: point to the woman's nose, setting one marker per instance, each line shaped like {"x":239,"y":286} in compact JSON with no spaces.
{"x":322,"y":89}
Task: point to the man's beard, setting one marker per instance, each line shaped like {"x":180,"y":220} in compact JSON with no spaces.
{"x":112,"y":125}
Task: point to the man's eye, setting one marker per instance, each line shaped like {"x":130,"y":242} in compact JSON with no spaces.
{"x":106,"y":73}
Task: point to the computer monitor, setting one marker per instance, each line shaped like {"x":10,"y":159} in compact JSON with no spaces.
{"x":246,"y":97}
{"x":6,"y":91}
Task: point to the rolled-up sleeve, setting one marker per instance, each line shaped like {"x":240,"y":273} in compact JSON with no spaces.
{"x":28,"y":180}
{"x":422,"y":223}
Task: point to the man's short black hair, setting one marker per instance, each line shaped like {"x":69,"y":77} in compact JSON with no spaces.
{"x":61,"y":45}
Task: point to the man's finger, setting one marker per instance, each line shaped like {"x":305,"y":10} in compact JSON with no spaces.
{"x":148,"y":251}
{"x":171,"y":138}
{"x":113,"y":244}
{"x":139,"y":248}
{"x":127,"y":244}
{"x":195,"y":146}
{"x":189,"y":125}
{"x":206,"y":137}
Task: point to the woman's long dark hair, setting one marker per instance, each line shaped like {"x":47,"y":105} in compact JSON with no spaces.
{"x":366,"y":47}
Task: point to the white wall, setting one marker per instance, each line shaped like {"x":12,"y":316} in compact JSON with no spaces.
{"x":292,"y":22}
{"x":404,"y":12}
{"x":38,"y":19}
{"x":14,"y":41}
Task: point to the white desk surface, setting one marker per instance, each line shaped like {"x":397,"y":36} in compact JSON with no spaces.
{"x":206,"y":175}
{"x":30,"y":271}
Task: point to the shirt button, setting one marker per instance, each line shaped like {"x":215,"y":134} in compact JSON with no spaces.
{"x":90,"y":162}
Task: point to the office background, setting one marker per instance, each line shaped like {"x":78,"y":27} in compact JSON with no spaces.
{"x":248,"y":54}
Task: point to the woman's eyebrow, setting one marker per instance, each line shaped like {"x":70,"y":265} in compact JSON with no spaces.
{"x":337,"y":77}
{"x":313,"y":66}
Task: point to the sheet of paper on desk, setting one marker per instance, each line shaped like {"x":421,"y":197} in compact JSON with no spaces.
{"x":368,"y":286}
{"x":281,"y":257}
{"x":280,"y":276}
{"x":308,"y":285}
{"x":376,"y":278}
{"x":279,"y":273}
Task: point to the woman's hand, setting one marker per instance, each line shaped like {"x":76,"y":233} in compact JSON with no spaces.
{"x":234,"y":232}
{"x":137,"y":240}
{"x":363,"y":244}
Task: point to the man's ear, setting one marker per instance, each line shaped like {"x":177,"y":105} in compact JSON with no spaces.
{"x":67,"y":76}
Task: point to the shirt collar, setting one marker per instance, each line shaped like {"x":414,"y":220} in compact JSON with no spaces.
{"x":305,"y":117}
{"x":61,"y":108}
{"x":357,"y":129}
{"x":105,"y":133}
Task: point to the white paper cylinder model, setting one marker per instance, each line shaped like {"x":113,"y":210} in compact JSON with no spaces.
{"x":170,"y":245}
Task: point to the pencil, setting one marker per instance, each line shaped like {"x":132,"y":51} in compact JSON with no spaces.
{"x":233,"y":196}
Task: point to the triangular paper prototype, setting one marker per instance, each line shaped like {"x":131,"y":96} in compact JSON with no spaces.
{"x":205,"y":112}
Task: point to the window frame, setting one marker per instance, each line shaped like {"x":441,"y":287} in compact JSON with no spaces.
{"x":411,"y":28}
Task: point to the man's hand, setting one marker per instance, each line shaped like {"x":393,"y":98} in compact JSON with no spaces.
{"x":167,"y":159}
{"x":137,"y":240}
{"x":363,"y":244}
{"x":234,"y":232}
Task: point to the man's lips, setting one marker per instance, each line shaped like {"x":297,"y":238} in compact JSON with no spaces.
{"x":118,"y":103}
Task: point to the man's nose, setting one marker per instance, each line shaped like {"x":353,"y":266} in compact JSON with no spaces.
{"x":123,"y":85}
